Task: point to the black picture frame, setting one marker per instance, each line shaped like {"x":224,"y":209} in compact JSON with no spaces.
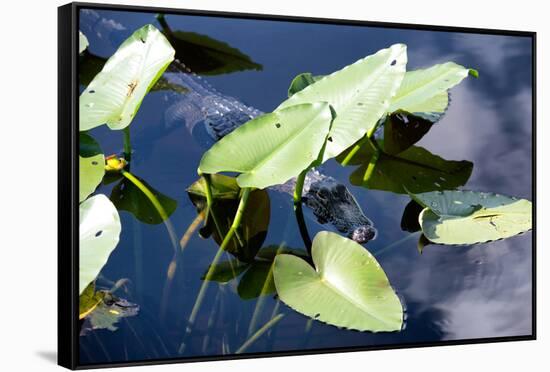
{"x":68,"y":242}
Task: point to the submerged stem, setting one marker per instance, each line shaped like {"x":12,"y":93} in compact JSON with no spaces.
{"x":366,"y":139}
{"x":298,"y":211}
{"x":395,"y":244}
{"x":259,"y":333}
{"x":210,"y":204}
{"x":371,"y":166}
{"x":145,"y":190}
{"x":262,"y":297}
{"x":208,"y":277}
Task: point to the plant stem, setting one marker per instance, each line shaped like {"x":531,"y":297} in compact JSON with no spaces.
{"x":162,"y":20}
{"x":204,"y":286}
{"x":259,"y":333}
{"x":191,"y":230}
{"x":371,"y":166}
{"x":210,"y":204}
{"x":174,"y":263}
{"x":164,"y":216}
{"x":396,"y":243}
{"x":127,"y":144}
{"x":366,"y":139}
{"x":152,"y":198}
{"x":262,"y":297}
{"x":298,"y":211}
{"x":307,"y":332}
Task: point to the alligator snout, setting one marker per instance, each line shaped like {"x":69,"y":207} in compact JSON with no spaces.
{"x":332,"y":202}
{"x":363,"y":234}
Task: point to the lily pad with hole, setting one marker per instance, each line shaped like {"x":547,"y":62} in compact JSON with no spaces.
{"x":468,"y":217}
{"x":272,"y":148}
{"x":89,"y":65}
{"x":115,"y":94}
{"x":99,"y":235}
{"x":347,"y":288}
{"x":359,"y":94}
{"x":91,"y":166}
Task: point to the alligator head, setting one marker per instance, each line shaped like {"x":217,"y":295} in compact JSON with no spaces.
{"x":331,"y":202}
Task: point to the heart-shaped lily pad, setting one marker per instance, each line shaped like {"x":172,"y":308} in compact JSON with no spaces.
{"x":99,"y":235}
{"x":115,"y":94}
{"x":272,"y":148}
{"x":468,"y":217}
{"x":91,"y":166}
{"x":347,"y":288}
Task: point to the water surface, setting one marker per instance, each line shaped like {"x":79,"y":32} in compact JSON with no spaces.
{"x":450,"y":293}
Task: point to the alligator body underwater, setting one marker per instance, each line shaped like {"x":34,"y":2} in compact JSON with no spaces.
{"x":202,"y":108}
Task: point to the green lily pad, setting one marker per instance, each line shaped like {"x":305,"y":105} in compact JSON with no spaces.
{"x":409,"y":220}
{"x":128,"y":197}
{"x":424,"y":92}
{"x":402,"y":130}
{"x":422,"y":243}
{"x":88,"y":300}
{"x":226,"y":271}
{"x":257,"y":281}
{"x":91,"y":166}
{"x":272,"y":148}
{"x":258,"y":276}
{"x":223,"y":187}
{"x":359,"y":93}
{"x":99,"y":235}
{"x":468,"y":217}
{"x":89,"y":65}
{"x":301,"y":81}
{"x":205,"y":55}
{"x":347,"y":288}
{"x":415,"y":169}
{"x":82,"y":42}
{"x":255,"y":219}
{"x":115,"y":94}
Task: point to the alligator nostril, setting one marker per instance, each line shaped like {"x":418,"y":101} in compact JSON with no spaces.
{"x":363,"y":234}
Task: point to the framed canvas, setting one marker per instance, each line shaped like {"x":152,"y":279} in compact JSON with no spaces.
{"x":245,"y":185}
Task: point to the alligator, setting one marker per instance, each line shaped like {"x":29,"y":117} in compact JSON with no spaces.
{"x":202,"y":108}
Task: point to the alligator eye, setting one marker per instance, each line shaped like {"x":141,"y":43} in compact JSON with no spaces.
{"x":323,"y":193}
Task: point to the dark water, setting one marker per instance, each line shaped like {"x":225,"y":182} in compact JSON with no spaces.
{"x":450,"y":292}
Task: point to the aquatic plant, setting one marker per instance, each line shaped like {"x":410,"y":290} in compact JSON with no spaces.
{"x":331,"y":279}
{"x":113,"y":97}
{"x":467,"y":217}
{"x":115,"y":94}
{"x":346,"y":287}
{"x":99,"y":234}
{"x":373,"y":92}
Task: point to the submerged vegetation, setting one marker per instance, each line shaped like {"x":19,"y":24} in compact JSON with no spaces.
{"x":368,"y":116}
